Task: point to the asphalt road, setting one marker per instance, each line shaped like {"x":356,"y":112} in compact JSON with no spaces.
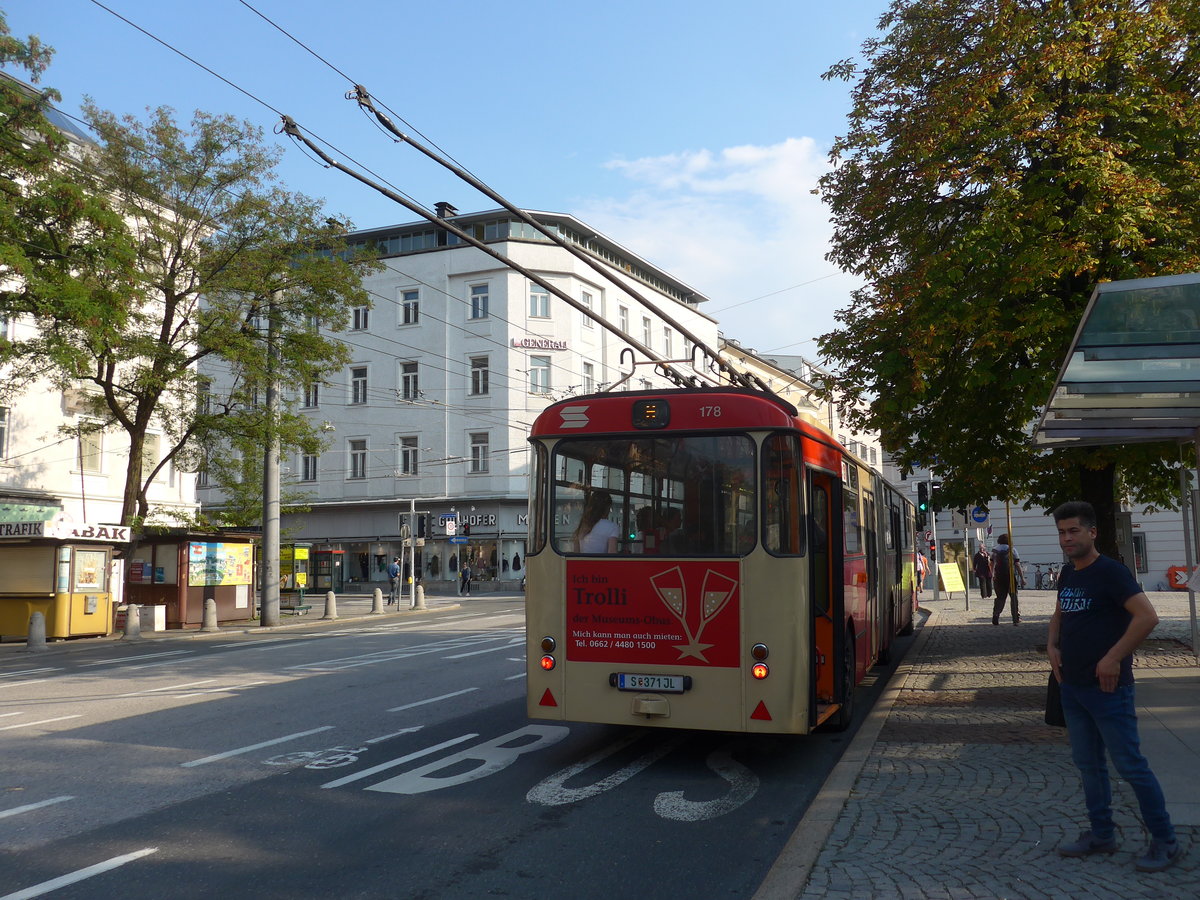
{"x":381,"y":758}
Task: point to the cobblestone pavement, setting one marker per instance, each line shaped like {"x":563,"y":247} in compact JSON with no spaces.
{"x":967,"y":793}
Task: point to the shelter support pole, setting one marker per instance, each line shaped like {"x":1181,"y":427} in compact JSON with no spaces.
{"x":1189,"y":543}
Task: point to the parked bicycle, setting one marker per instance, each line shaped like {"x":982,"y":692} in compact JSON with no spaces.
{"x":1045,"y":580}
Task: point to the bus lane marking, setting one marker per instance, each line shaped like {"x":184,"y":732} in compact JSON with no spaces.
{"x":552,"y":791}
{"x":240,"y":750}
{"x":489,"y":758}
{"x":29,"y":807}
{"x":743,"y":785}
{"x":62,"y":881}
{"x":392,"y":763}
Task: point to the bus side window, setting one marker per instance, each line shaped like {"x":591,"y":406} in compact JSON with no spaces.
{"x":537,"y":501}
{"x":783,"y":496}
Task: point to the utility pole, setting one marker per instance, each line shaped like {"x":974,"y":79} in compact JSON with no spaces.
{"x":412,"y":554}
{"x":269,"y":612}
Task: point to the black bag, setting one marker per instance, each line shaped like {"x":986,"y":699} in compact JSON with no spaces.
{"x":1054,"y":710}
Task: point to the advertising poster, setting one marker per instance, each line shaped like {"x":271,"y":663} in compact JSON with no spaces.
{"x":217,"y":564}
{"x":653,"y":612}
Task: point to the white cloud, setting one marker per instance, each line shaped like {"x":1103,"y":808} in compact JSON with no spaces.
{"x":736,"y":224}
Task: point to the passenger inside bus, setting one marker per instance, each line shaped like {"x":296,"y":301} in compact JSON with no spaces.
{"x":596,"y":532}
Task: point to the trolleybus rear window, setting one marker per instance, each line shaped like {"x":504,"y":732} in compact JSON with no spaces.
{"x":665,"y":495}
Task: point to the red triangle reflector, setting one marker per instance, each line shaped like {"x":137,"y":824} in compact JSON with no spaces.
{"x":548,"y":700}
{"x":760,"y":712}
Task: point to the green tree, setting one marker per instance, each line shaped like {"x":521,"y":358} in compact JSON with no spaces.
{"x":218,"y":248}
{"x":1001,"y":158}
{"x":52,"y":229}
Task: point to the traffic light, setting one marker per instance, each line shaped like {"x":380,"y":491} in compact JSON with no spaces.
{"x":935,"y":495}
{"x":466,"y":529}
{"x":923,"y":497}
{"x":421,"y":527}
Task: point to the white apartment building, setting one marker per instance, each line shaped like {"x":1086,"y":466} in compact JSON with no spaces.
{"x":51,"y":466}
{"x":451,"y":364}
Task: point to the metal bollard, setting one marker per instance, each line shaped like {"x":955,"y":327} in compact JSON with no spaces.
{"x":377,"y":603}
{"x":36,"y":641}
{"x":330,"y":606}
{"x":209,"y":623}
{"x":133,"y":623}
{"x":420,"y":601}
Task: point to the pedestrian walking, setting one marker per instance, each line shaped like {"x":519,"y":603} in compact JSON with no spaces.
{"x":393,"y":571}
{"x":922,"y":571}
{"x":1006,"y":566}
{"x":464,"y":583}
{"x":981,"y":563}
{"x":1101,"y":616}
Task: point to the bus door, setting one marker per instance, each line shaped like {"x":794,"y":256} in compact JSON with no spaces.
{"x":825,"y":542}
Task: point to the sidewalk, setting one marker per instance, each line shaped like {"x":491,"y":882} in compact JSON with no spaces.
{"x":954,"y":787}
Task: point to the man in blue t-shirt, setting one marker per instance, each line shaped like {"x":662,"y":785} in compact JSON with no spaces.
{"x":1102,"y":615}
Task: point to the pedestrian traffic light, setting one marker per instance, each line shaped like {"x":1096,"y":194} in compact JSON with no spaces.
{"x":421,"y":527}
{"x":466,"y":528}
{"x":923,"y":496}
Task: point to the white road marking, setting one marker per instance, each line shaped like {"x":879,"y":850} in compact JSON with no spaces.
{"x":223,"y":690}
{"x":394,"y":734}
{"x":19,"y":683}
{"x":105,"y":662}
{"x":552,"y":790}
{"x":62,"y":881}
{"x":381,"y":656}
{"x":515,"y":677}
{"x":391,"y":764}
{"x":488,"y":650}
{"x":6,"y":715}
{"x":432,"y":700}
{"x":168,"y":662}
{"x":250,"y":749}
{"x":172,"y":687}
{"x":30,"y":672}
{"x":16,"y":810}
{"x":743,"y":785}
{"x":253,"y":642}
{"x":40,"y":722}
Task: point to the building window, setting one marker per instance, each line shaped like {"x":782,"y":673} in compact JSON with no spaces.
{"x":539,"y":374}
{"x":586,"y":299}
{"x":359,"y":318}
{"x":623,"y":318}
{"x":358,"y":458}
{"x":409,"y":386}
{"x":410,"y":307}
{"x":647,"y":339}
{"x":202,"y":474}
{"x":91,"y":448}
{"x":408,"y":456}
{"x":644,"y":384}
{"x":479,"y":375}
{"x":539,"y":302}
{"x":589,"y":378}
{"x":150,"y":451}
{"x":3,"y":432}
{"x":308,"y":467}
{"x":312,"y":395}
{"x":358,"y":384}
{"x":479,"y":301}
{"x":479,"y":452}
{"x":668,"y":342}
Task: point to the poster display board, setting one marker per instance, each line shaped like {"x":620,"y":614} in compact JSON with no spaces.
{"x":218,"y":564}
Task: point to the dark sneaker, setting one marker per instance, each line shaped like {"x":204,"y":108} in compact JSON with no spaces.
{"x":1087,"y":844}
{"x":1159,"y":855}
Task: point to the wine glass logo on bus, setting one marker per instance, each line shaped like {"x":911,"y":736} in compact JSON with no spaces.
{"x":714,"y":594}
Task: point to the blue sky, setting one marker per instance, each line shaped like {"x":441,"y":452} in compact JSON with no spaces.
{"x":691,"y":132}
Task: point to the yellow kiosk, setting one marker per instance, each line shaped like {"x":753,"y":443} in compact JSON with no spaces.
{"x":61,"y":571}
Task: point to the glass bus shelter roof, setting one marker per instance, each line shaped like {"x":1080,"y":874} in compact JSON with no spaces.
{"x":1133,"y":370}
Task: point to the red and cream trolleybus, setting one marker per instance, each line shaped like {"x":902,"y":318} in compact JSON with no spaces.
{"x":707,"y":558}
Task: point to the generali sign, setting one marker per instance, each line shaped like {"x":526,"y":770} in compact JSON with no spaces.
{"x":539,"y":344}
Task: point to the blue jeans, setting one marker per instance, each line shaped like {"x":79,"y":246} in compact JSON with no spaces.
{"x":1097,"y":721}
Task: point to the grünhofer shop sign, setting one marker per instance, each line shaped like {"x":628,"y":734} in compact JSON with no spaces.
{"x":539,"y":344}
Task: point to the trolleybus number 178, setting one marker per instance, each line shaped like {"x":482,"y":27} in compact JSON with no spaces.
{"x":710,"y":412}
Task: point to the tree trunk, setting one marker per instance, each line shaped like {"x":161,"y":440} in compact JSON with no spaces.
{"x":1098,"y":487}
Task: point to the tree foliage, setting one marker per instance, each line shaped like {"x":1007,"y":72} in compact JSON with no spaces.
{"x":1001,"y":158}
{"x":216,"y":248}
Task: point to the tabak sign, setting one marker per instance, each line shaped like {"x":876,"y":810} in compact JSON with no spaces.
{"x":653,"y":612}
